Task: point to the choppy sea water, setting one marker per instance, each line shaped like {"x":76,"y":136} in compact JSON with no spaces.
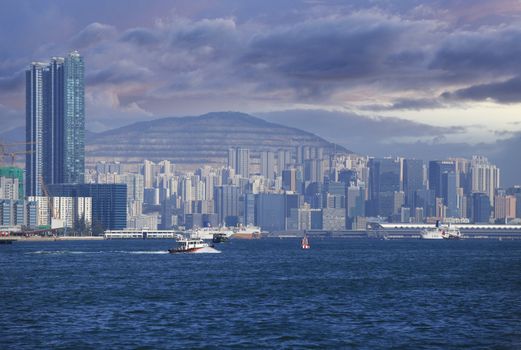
{"x":261,"y":294}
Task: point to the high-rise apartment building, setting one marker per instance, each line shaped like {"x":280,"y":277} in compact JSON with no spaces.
{"x":74,"y":119}
{"x":55,"y":123}
{"x":239,"y":160}
{"x":485,"y":177}
{"x":268,"y":165}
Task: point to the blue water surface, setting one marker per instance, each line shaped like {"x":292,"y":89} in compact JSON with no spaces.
{"x":341,"y":294}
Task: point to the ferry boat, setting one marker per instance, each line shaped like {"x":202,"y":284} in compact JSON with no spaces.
{"x":189,"y":246}
{"x":441,"y":232}
{"x":207,"y":233}
{"x":305,"y":243}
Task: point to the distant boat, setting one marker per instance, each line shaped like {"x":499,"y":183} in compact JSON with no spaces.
{"x":305,"y":242}
{"x":441,"y":232}
{"x":189,"y":246}
{"x":219,"y":238}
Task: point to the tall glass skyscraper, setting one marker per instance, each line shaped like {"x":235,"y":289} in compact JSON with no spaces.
{"x":55,"y":123}
{"x":74,"y":119}
{"x":35,"y":107}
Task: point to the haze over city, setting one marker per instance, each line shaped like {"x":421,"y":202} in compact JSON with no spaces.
{"x":417,"y":79}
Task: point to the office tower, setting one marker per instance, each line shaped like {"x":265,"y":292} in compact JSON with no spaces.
{"x":413,"y":179}
{"x":268,"y":165}
{"x":55,"y":123}
{"x":291,"y":201}
{"x":289,"y":180}
{"x":384,"y":181}
{"x":270,"y":211}
{"x":436,"y":169}
{"x":450,"y":193}
{"x":248,"y":217}
{"x":480,"y":208}
{"x":485,"y":177}
{"x":314,"y":170}
{"x":226,"y":199}
{"x":355,"y":201}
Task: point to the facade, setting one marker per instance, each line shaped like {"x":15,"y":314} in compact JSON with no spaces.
{"x":17,"y":213}
{"x":55,"y":123}
{"x":11,"y":183}
{"x":480,"y":208}
{"x":413,"y":179}
{"x":239,"y":161}
{"x":227,"y":204}
{"x":109,"y":203}
{"x":384,"y":182}
{"x":62,"y":211}
{"x":270,"y":211}
{"x":74,"y":119}
{"x":268,"y":165}
{"x":436,"y":169}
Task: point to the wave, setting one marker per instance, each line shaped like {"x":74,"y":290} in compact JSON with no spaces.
{"x":207,"y":250}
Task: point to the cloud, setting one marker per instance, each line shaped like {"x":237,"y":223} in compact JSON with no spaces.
{"x":353,"y":130}
{"x":481,"y":54}
{"x":12,"y":82}
{"x":406,"y":104}
{"x":507,"y":91}
{"x":93,"y":34}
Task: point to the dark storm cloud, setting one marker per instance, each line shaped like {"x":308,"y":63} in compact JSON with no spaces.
{"x":485,"y":52}
{"x":178,"y":58}
{"x":508,"y":91}
{"x":327,"y":49}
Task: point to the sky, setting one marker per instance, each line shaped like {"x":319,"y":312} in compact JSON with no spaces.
{"x":424,"y":78}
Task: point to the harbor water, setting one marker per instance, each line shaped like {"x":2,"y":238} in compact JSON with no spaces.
{"x":269,"y":293}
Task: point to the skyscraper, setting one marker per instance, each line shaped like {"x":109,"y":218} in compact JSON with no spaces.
{"x":239,"y":160}
{"x":268,"y":164}
{"x":74,"y":119}
{"x":412,"y":179}
{"x":55,"y":122}
{"x":436,"y":170}
{"x":35,"y":106}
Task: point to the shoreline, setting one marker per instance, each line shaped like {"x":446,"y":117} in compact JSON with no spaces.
{"x":51,"y":239}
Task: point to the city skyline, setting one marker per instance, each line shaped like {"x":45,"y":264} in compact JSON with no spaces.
{"x":413,"y":78}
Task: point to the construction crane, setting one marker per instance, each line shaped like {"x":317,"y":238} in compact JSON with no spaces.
{"x":5,"y":152}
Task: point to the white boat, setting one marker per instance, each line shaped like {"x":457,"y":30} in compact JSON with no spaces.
{"x":441,"y":232}
{"x":189,"y":246}
{"x":207,"y":233}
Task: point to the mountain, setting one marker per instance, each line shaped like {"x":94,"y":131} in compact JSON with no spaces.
{"x":197,"y":140}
